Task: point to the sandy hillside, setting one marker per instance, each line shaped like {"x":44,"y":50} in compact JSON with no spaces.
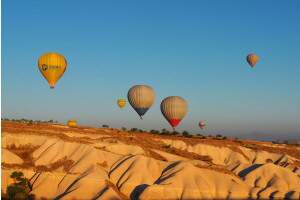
{"x":98,"y":163}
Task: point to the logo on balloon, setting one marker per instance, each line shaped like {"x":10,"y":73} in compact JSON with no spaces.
{"x":44,"y":67}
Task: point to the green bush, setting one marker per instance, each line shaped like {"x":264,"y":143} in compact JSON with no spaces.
{"x":123,"y":129}
{"x":19,"y":189}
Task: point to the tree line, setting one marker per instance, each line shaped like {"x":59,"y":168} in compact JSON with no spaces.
{"x":28,"y":121}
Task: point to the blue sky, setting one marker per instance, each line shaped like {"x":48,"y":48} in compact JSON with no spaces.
{"x":194,"y":49}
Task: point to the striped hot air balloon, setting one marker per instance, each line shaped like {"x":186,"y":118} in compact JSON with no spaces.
{"x":52,"y":66}
{"x":121,"y":103}
{"x":202,"y":124}
{"x":174,"y":109}
{"x":141,"y":98}
{"x":252,"y":59}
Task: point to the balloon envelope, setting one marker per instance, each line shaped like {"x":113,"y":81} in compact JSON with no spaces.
{"x":174,"y":109}
{"x":52,"y":66}
{"x":121,"y":103}
{"x":72,"y":123}
{"x":141,"y":98}
{"x":252,"y":59}
{"x":202,"y":124}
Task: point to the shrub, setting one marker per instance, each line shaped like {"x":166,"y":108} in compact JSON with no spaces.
{"x":133,"y":130}
{"x":218,"y":135}
{"x":105,"y":126}
{"x":123,"y":129}
{"x":269,"y":160}
{"x":224,"y":138}
{"x":168,"y":133}
{"x":154,"y":131}
{"x":167,"y":146}
{"x":140,"y":130}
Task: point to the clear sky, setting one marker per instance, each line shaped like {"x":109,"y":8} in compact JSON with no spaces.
{"x":195,"y":49}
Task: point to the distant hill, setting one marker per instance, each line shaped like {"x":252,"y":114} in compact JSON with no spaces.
{"x":285,"y":141}
{"x":260,"y":136}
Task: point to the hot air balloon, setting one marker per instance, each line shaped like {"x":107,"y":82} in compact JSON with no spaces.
{"x":72,"y":123}
{"x":252,"y":59}
{"x":141,"y":98}
{"x":202,"y":124}
{"x":52,"y":66}
{"x":174,"y":109}
{"x":121,"y":103}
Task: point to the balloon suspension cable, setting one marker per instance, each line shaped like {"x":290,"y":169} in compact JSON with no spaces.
{"x":173,"y":128}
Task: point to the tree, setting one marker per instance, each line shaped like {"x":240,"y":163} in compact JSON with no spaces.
{"x":105,"y":126}
{"x":185,"y":133}
{"x":123,"y":128}
{"x":218,"y":135}
{"x":175,"y":133}
{"x":20,"y":188}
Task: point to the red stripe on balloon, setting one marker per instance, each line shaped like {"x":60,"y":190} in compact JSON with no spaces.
{"x":174,"y":122}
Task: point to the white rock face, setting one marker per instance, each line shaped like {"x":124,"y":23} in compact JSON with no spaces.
{"x":135,"y":176}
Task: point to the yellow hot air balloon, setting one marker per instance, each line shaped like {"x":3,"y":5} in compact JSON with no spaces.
{"x":202,"y":124}
{"x":121,"y":103}
{"x":141,"y":98}
{"x":252,"y":59}
{"x":72,"y":123}
{"x":52,"y":66}
{"x":174,"y":109}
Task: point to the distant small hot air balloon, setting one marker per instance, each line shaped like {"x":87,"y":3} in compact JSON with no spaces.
{"x":141,"y":98}
{"x":252,"y":59}
{"x":202,"y":124}
{"x":52,"y":66}
{"x":72,"y":123}
{"x":174,"y":109}
{"x":121,"y":103}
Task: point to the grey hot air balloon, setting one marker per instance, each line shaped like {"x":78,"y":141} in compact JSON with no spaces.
{"x":252,"y":59}
{"x":202,"y":124}
{"x":174,"y":109}
{"x":141,"y":98}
